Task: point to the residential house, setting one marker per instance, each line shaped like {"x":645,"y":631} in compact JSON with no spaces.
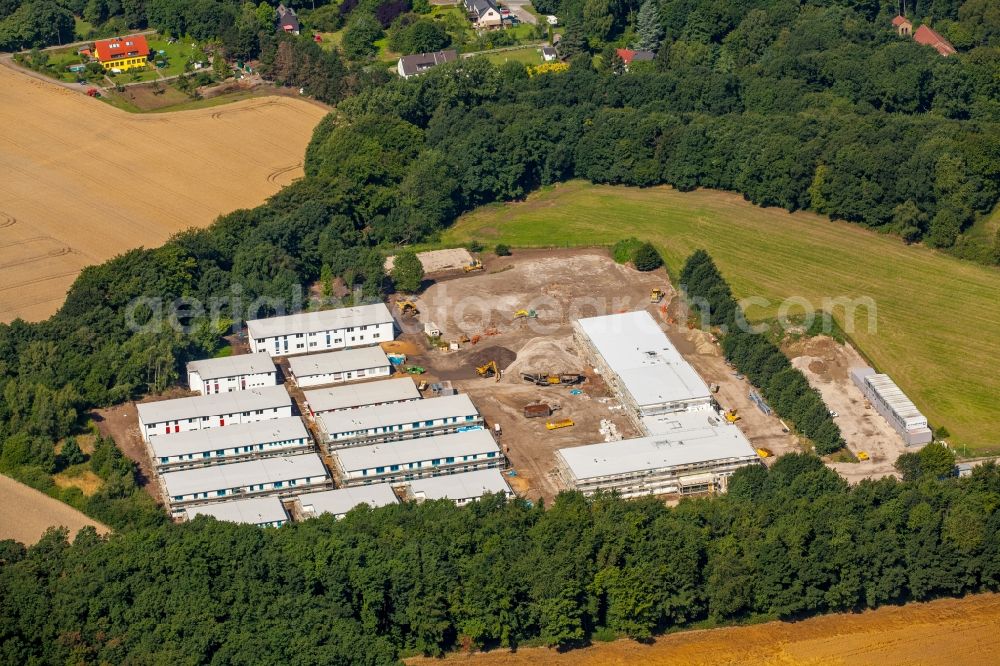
{"x":287,"y":20}
{"x":122,"y":53}
{"x":484,"y":14}
{"x":903,"y":26}
{"x":629,"y":56}
{"x":549,"y":54}
{"x":927,"y":36}
{"x":418,"y":63}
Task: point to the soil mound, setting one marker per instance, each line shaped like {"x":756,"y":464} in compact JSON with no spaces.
{"x":503,"y":356}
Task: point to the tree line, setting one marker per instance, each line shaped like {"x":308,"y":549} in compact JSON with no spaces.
{"x":787,"y":542}
{"x":783,"y":386}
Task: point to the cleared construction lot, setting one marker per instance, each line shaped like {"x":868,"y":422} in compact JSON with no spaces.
{"x":84,"y":181}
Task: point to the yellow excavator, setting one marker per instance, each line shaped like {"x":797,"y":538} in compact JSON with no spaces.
{"x":656,"y":295}
{"x":474,"y":265}
{"x":407,"y":308}
{"x":490,"y":369}
{"x":525,"y":314}
{"x":732,"y":416}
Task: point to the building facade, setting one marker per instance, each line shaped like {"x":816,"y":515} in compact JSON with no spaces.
{"x":122,"y":53}
{"x":339,"y":367}
{"x":167,"y":417}
{"x":328,"y":330}
{"x":231,"y":373}
{"x":243,"y":441}
{"x":395,"y":462}
{"x":386,"y":423}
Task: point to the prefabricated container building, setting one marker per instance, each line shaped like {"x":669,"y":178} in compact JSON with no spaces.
{"x":308,"y":332}
{"x":339,"y":366}
{"x":166,"y":417}
{"x":231,"y":373}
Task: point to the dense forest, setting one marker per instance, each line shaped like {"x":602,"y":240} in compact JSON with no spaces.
{"x":788,"y":542}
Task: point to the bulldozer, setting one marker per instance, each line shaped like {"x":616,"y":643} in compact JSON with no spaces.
{"x":656,"y":295}
{"x":732,"y":416}
{"x":407,"y":308}
{"x":474,"y":265}
{"x":490,"y":369}
{"x":525,"y":314}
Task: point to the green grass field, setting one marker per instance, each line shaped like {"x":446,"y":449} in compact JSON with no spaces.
{"x":529,"y":55}
{"x":938,"y":323}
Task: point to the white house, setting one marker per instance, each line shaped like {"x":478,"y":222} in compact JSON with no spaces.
{"x":231,"y":373}
{"x":484,"y":14}
{"x":459,"y":488}
{"x":166,"y":417}
{"x":418,"y":63}
{"x":242,"y":441}
{"x":339,"y":366}
{"x":219,"y":483}
{"x":355,"y":396}
{"x":380,"y":423}
{"x":434,"y":455}
{"x":339,"y":502}
{"x":259,"y":511}
{"x":327,"y":330}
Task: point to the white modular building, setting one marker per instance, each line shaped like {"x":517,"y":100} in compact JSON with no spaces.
{"x":259,"y":511}
{"x":213,"y":446}
{"x":691,"y":452}
{"x":460,"y":488}
{"x":339,"y":366}
{"x":309,"y":332}
{"x":894,"y":406}
{"x":166,"y":417}
{"x":640,"y":364}
{"x":401,"y":461}
{"x":231,"y":373}
{"x":366,"y":394}
{"x":339,"y":502}
{"x":267,"y":476}
{"x":380,"y":423}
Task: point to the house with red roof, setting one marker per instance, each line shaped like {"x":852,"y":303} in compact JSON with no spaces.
{"x":122,"y":53}
{"x":902,"y":25}
{"x":929,"y":37}
{"x":628,"y":56}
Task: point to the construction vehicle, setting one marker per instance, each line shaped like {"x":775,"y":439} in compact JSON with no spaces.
{"x":474,"y":265}
{"x":536,"y":410}
{"x":545,"y":379}
{"x":415,"y":370}
{"x":555,"y":425}
{"x":490,"y":369}
{"x":764,"y":453}
{"x":407,"y":308}
{"x":732,"y":416}
{"x":656,"y":295}
{"x":463,"y":339}
{"x":525,"y":314}
{"x":422,"y":386}
{"x":863,"y":455}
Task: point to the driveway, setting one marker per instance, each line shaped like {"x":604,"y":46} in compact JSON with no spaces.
{"x":517,"y":8}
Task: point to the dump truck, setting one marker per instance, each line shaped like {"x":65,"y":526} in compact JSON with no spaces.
{"x":656,"y":295}
{"x":474,"y":265}
{"x":555,"y":425}
{"x":537,"y":409}
{"x":490,"y":369}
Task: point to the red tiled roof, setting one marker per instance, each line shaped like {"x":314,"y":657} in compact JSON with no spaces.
{"x":626,"y":55}
{"x":900,"y":20}
{"x":928,"y":37}
{"x":121,"y":47}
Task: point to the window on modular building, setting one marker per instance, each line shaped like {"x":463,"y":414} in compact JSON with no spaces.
{"x":277,"y":484}
{"x":491,"y":454}
{"x":364,"y":472}
{"x":163,"y":460}
{"x":417,"y":424}
{"x":178,"y":498}
{"x":220,"y":452}
{"x":379,"y":470}
{"x":436,"y":461}
{"x":469,"y":418}
{"x":394,"y":468}
{"x":449,"y":460}
{"x":206,"y":454}
{"x":428,"y":423}
{"x":220,"y":493}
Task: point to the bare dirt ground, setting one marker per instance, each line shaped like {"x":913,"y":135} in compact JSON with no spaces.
{"x":946,"y":631}
{"x":84,"y":181}
{"x":26,"y":513}
{"x":436,"y":261}
{"x":827,"y":364}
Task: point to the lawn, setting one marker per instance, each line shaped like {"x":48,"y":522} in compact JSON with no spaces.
{"x":938,"y":323}
{"x":529,"y":55}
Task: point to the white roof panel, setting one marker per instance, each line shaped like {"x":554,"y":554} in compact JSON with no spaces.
{"x":361,"y":395}
{"x":639,"y":352}
{"x":249,"y":511}
{"x":315,"y":322}
{"x":242,"y":474}
{"x":467,"y":485}
{"x":261,"y":397}
{"x":342,"y":500}
{"x":348,"y":360}
{"x":232,"y":366}
{"x":378,"y":416}
{"x":238,"y":434}
{"x":682,"y":438}
{"x":454,"y":445}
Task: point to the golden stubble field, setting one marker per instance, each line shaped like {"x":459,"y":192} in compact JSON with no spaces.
{"x":84,"y":181}
{"x":26,"y":513}
{"x":947,"y":631}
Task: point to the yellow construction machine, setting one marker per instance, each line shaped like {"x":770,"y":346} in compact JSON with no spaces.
{"x":862,"y":455}
{"x":474,"y":265}
{"x":407,"y":308}
{"x":525,"y":314}
{"x":656,"y":295}
{"x":555,"y":425}
{"x":490,"y":369}
{"x":732,"y":416}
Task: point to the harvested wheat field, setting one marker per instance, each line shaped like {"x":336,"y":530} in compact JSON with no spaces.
{"x":26,"y":513}
{"x":84,"y":181}
{"x":947,"y":631}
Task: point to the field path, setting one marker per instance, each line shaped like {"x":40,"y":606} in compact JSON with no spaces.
{"x":26,"y":513}
{"x":84,"y":181}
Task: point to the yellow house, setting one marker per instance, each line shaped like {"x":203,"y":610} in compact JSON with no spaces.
{"x":122,"y":53}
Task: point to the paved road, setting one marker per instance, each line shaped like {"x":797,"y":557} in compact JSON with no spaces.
{"x":517,"y":8}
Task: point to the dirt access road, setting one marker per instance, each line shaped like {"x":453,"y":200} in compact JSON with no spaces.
{"x":84,"y":181}
{"x":25,"y":513}
{"x":946,"y":631}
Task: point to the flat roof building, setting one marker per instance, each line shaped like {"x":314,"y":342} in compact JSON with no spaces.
{"x":268,"y":476}
{"x":339,"y":366}
{"x":308,"y":332}
{"x":339,"y":502}
{"x":694,"y":452}
{"x":213,"y":446}
{"x":894,"y":406}
{"x":368,"y":425}
{"x":259,"y":511}
{"x":355,"y":396}
{"x":639,"y":363}
{"x":417,"y":458}
{"x":231,"y":373}
{"x":460,"y":488}
{"x":166,"y":417}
